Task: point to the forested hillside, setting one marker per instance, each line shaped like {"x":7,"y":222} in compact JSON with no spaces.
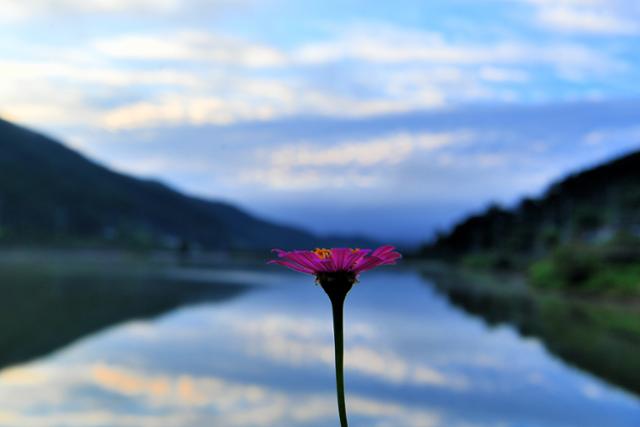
{"x":51,"y":194}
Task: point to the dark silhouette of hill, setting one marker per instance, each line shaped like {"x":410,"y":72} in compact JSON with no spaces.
{"x":589,"y":207}
{"x":51,"y":194}
{"x":581,"y":239}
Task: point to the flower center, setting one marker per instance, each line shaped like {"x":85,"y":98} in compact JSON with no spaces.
{"x":322,"y":253}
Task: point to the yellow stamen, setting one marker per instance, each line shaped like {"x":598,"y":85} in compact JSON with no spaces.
{"x":322,"y":253}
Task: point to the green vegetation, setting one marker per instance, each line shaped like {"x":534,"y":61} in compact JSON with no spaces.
{"x":495,"y":261}
{"x":611,"y":269}
{"x":582,"y":235}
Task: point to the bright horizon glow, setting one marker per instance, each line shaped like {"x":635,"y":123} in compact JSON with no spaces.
{"x":390,"y":120}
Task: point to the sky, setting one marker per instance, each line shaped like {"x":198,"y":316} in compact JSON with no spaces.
{"x":390,"y":119}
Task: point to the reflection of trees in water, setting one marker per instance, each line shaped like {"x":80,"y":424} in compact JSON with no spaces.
{"x":602,"y":339}
{"x":40,"y":313}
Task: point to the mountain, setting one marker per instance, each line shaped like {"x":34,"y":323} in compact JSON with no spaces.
{"x":591,"y":207}
{"x":563,"y":267}
{"x":50,"y":194}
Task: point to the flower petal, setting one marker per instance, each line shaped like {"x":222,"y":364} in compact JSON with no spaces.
{"x":355,"y":257}
{"x":306,"y":259}
{"x":336,"y":259}
{"x":367,"y":264}
{"x":292,"y":266}
{"x":339,"y":256}
{"x":390,"y":257}
{"x":382,"y":250}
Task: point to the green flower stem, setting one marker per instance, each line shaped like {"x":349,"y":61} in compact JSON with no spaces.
{"x":337,"y":304}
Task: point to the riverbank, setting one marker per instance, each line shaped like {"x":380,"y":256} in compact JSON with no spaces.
{"x":599,"y":335}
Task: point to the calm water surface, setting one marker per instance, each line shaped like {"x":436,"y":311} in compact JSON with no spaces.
{"x":264,"y":357}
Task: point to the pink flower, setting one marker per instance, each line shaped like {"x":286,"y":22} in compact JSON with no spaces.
{"x":325,"y":262}
{"x":336,"y":270}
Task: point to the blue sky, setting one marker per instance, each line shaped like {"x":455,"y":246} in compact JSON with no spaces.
{"x":386,"y":118}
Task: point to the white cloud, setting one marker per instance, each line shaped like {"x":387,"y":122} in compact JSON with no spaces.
{"x":246,"y":99}
{"x":155,"y":165}
{"x":392,"y":45}
{"x":23,"y":10}
{"x":593,"y":391}
{"x":89,"y":73}
{"x":470,"y":161}
{"x":345,"y":164}
{"x":503,"y":75}
{"x":439,"y":73}
{"x":433,"y":73}
{"x":193,"y":110}
{"x":189,"y":77}
{"x":623,"y":135}
{"x":390,"y":149}
{"x":191,"y":46}
{"x":586,"y":16}
{"x":32,"y":100}
{"x":172,"y":110}
{"x":287,"y":179}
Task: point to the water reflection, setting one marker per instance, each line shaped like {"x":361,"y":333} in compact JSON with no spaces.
{"x":601,"y":338}
{"x":307,"y":342}
{"x":264,"y":359}
{"x":41,"y":311}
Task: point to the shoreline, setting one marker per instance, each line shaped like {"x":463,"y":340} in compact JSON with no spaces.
{"x":597,"y":336}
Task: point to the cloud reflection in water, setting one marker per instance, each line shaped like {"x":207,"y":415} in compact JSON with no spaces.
{"x":161,"y":399}
{"x":264,"y":360}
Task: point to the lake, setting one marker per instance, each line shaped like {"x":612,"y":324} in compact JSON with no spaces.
{"x":254,"y":348}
